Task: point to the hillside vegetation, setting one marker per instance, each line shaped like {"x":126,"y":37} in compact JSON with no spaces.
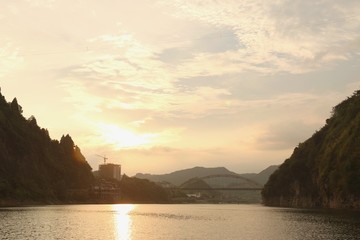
{"x":135,"y":190}
{"x":33,"y":167}
{"x":324,"y":171}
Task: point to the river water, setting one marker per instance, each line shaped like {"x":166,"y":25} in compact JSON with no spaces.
{"x":172,"y":222}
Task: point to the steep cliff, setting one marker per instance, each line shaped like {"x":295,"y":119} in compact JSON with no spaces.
{"x":33,"y":167}
{"x":324,"y":171}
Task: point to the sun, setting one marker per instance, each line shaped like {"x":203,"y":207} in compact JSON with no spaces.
{"x":124,"y":138}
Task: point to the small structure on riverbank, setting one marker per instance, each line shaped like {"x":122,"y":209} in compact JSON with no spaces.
{"x":107,"y":184}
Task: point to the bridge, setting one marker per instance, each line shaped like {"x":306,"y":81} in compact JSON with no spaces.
{"x":221,"y":188}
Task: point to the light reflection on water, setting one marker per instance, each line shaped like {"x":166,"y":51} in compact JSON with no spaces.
{"x":150,"y":222}
{"x":122,"y":221}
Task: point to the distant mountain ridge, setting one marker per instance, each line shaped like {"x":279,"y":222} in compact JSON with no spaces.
{"x":179,"y":177}
{"x":261,"y":177}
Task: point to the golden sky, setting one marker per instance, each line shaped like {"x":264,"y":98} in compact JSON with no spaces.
{"x":160,"y":85}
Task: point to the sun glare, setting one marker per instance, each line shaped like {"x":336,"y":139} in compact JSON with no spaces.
{"x":122,"y":221}
{"x":124,"y":138}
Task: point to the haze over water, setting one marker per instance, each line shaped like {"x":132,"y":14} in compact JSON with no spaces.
{"x":148,"y":222}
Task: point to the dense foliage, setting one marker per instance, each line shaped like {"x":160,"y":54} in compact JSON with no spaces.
{"x":32,"y":165}
{"x":135,"y":190}
{"x":324,"y":171}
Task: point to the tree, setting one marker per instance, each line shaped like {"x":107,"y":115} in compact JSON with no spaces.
{"x":15,"y":106}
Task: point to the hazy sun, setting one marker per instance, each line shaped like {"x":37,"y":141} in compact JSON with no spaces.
{"x":124,"y":138}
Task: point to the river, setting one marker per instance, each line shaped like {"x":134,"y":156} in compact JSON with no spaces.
{"x":172,"y":222}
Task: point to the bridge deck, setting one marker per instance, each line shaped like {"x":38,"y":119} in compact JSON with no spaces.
{"x":218,"y":189}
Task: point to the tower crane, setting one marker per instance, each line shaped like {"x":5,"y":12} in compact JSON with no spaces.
{"x":104,"y":157}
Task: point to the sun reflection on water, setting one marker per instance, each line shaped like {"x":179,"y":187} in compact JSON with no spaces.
{"x":122,"y":221}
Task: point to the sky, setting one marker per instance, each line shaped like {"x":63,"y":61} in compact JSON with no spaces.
{"x":163,"y":85}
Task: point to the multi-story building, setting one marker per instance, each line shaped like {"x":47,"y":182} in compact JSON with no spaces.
{"x":110,"y":171}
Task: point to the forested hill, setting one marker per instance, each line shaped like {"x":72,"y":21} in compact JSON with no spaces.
{"x":324,"y":171}
{"x":34,"y":167}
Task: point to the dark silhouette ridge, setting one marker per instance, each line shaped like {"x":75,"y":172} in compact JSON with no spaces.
{"x":33,"y":167}
{"x":135,"y":190}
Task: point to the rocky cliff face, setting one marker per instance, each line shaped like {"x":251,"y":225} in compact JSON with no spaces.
{"x":324,"y":171}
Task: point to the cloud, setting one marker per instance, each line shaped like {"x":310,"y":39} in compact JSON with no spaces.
{"x":194,"y":82}
{"x":41,"y":3}
{"x":280,"y":36}
{"x":137,"y":80}
{"x":256,"y":37}
{"x":218,"y":41}
{"x":9,"y":58}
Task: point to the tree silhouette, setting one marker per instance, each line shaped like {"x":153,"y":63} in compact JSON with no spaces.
{"x":32,"y":165}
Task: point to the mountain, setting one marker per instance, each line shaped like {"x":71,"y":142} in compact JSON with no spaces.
{"x":33,"y":167}
{"x":324,"y":171}
{"x":261,"y":177}
{"x":179,"y":177}
{"x":195,"y":183}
